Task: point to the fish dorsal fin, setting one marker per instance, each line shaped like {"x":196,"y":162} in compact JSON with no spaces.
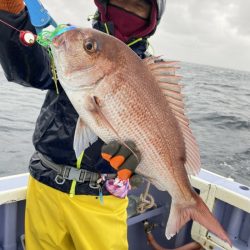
{"x":165,"y":74}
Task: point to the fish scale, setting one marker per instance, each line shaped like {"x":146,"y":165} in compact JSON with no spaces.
{"x":126,"y":122}
{"x":119,"y":97}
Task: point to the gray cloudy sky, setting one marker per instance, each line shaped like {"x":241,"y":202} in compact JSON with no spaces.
{"x":214,"y":32}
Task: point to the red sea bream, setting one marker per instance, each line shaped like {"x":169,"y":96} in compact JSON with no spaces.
{"x":119,"y":96}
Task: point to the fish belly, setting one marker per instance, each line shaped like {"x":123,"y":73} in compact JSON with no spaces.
{"x":127,"y":115}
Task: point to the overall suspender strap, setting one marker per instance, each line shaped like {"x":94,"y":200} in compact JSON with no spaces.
{"x":78,"y":166}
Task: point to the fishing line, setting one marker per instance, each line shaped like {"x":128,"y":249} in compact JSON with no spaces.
{"x":44,"y":38}
{"x":9,"y":25}
{"x":27,"y":38}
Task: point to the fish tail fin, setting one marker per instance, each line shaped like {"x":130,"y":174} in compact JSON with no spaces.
{"x":198,"y":211}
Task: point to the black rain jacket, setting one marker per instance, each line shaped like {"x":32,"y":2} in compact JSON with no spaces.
{"x":55,"y":126}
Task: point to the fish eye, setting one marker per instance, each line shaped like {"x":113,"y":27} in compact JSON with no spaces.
{"x":90,"y":46}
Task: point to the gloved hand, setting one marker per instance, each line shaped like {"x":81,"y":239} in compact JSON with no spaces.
{"x":122,"y":158}
{"x":12,"y":6}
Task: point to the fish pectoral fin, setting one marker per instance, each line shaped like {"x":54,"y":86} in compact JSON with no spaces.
{"x":165,"y":74}
{"x":91,"y":103}
{"x":101,"y":116}
{"x":83,"y":138}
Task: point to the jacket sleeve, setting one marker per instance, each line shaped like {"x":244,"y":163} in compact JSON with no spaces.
{"x":28,"y":66}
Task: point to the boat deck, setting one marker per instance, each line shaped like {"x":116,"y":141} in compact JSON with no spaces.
{"x":229,"y":201}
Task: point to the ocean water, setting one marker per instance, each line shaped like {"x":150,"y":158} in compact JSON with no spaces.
{"x":217,"y":104}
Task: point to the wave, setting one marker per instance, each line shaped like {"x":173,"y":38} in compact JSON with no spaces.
{"x":224,"y":121}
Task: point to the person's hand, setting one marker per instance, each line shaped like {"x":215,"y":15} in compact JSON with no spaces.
{"x":124,"y":158}
{"x":12,"y":6}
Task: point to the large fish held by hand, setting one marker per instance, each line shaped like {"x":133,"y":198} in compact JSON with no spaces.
{"x":118,"y":96}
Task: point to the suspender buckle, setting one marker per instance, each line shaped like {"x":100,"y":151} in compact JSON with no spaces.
{"x":79,"y":175}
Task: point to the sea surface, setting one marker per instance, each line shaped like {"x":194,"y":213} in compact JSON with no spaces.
{"x":217,"y":103}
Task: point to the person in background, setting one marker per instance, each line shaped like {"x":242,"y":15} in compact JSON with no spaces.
{"x":64,"y":207}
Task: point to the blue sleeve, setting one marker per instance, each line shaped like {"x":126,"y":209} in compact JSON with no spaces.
{"x":28,"y":66}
